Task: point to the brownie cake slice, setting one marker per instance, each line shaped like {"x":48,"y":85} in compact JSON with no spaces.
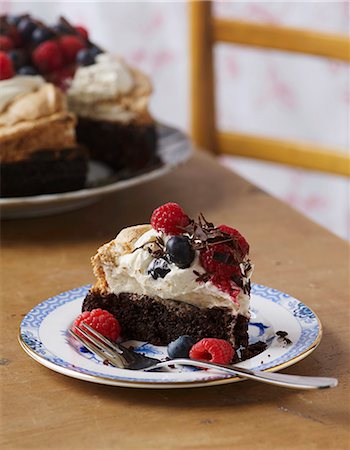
{"x":38,"y":151}
{"x":175,"y":277}
{"x":110,"y":99}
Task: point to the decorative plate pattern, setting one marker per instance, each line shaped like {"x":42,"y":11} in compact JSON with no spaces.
{"x":43,"y":335}
{"x":174,"y":148}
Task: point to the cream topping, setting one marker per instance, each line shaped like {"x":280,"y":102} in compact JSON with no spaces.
{"x":105,"y":80}
{"x":16,"y":86}
{"x":128,"y":273}
{"x":109,"y":90}
{"x":34,"y":101}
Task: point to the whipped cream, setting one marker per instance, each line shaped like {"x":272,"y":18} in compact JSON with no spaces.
{"x":108,"y":90}
{"x":16,"y":86}
{"x":105,"y":80}
{"x":128,"y":273}
{"x":31,"y":101}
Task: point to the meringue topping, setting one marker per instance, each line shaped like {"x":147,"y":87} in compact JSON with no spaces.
{"x":44,"y":99}
{"x":16,"y":86}
{"x":109,"y":90}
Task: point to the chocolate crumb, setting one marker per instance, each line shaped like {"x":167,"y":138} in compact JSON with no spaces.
{"x":282,"y":337}
{"x":281,"y":334}
{"x":250,"y":351}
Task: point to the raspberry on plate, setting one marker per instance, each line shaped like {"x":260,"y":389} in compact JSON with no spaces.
{"x":243,"y":244}
{"x":100,"y":320}
{"x":6,"y":67}
{"x":70,"y":46}
{"x":212,"y":350}
{"x":169,"y":218}
{"x":48,"y":57}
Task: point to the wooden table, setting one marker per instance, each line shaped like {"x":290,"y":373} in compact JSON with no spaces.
{"x":42,"y":409}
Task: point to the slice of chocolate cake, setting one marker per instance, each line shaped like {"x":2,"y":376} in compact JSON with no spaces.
{"x":38,"y":151}
{"x":111,"y":101}
{"x":175,"y":277}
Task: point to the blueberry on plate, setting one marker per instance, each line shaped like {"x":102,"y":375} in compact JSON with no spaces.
{"x":180,"y":348}
{"x":158,"y":268}
{"x":180,"y":251}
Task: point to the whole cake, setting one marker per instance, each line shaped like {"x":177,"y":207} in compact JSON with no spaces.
{"x":107,"y":102}
{"x":175,"y":277}
{"x":38,"y":150}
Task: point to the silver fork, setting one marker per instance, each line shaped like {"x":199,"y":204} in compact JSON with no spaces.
{"x":124,"y":358}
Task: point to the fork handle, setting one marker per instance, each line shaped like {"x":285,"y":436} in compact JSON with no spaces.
{"x":278,"y":379}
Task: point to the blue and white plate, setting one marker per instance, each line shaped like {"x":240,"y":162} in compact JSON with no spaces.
{"x":43,"y":335}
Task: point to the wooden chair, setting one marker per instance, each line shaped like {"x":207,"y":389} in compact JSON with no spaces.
{"x":206,"y":31}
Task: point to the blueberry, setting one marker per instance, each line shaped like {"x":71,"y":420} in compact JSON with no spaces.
{"x":158,"y":268}
{"x":95,"y":50}
{"x":85,"y":57}
{"x":180,"y":251}
{"x":41,"y":34}
{"x":61,"y":28}
{"x":26,"y":28}
{"x":13,"y":20}
{"x":180,"y":348}
{"x":18,"y":58}
{"x":27,"y":70}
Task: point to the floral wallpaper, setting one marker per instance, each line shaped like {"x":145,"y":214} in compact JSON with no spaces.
{"x":272,"y":93}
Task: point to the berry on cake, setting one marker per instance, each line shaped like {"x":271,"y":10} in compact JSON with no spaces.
{"x":176,"y":280}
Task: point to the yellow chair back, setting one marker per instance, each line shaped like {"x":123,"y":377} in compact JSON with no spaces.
{"x":206,"y":30}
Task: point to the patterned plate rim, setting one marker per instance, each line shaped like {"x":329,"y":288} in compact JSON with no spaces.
{"x":221,"y":379}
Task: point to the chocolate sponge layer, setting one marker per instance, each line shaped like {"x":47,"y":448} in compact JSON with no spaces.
{"x":44,"y":172}
{"x":162,"y":321}
{"x":127,"y":148}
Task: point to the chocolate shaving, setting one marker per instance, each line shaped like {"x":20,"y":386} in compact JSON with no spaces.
{"x":202,"y":277}
{"x":225,"y":258}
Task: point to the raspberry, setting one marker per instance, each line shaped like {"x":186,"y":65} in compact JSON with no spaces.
{"x":100,"y":320}
{"x":209,"y":260}
{"x":242,"y":243}
{"x":213,"y":350}
{"x":83,"y":32}
{"x":48,"y":57}
{"x":169,"y":218}
{"x":6,"y":43}
{"x":62,"y":77}
{"x":226,"y":285}
{"x":13,"y":33}
{"x":70,"y":46}
{"x":6,"y":67}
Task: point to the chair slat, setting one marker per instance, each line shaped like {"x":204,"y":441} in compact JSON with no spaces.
{"x":296,"y":154}
{"x":281,"y":38}
{"x":202,"y":76}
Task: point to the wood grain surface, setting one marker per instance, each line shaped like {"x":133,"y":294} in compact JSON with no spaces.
{"x":41,"y":409}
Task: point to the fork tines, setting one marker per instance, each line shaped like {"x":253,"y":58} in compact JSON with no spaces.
{"x":96,"y":343}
